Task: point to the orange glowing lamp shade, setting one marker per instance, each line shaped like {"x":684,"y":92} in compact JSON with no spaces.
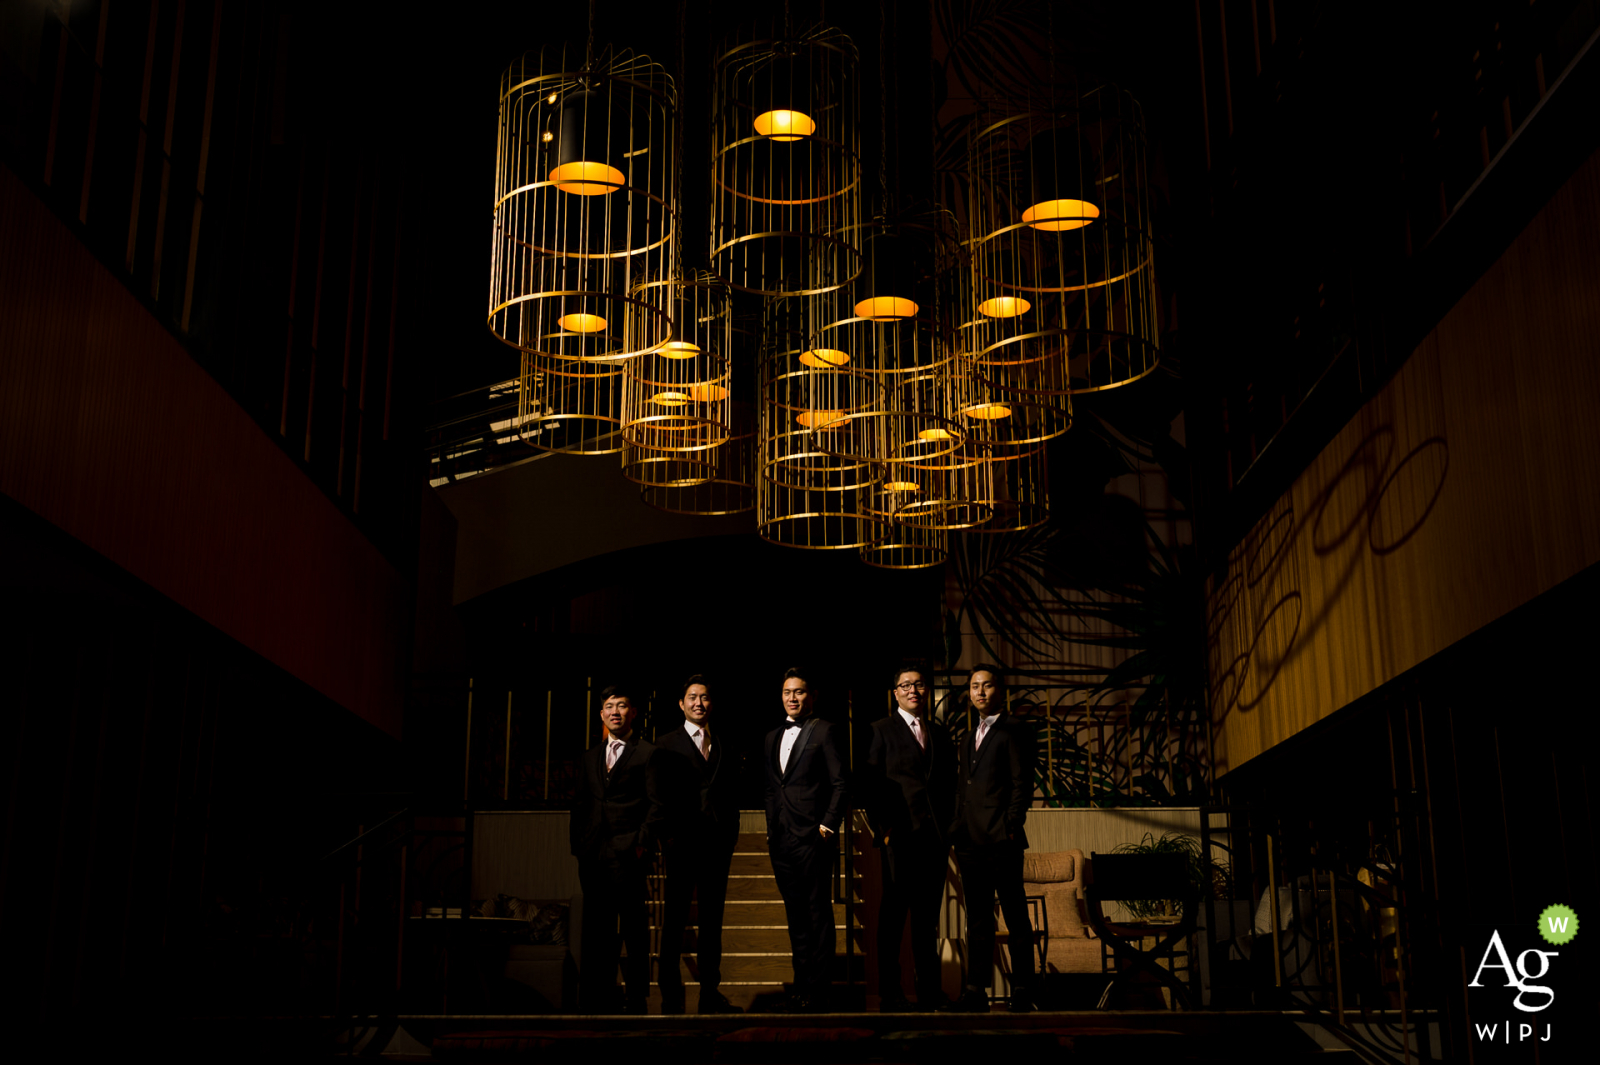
{"x":1004,"y":307}
{"x":785,"y":125}
{"x":587,"y":179}
{"x":707,"y":393}
{"x":580,"y":322}
{"x":821,"y":419}
{"x":670,"y":399}
{"x":824,"y":358}
{"x":1056,"y":215}
{"x":934,"y":434}
{"x":886,"y":308}
{"x":680,"y":349}
{"x":989,"y":412}
{"x":900,"y":486}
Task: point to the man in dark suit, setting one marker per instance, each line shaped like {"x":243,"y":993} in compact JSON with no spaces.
{"x":703,"y":812}
{"x":806,"y":791}
{"x":997,"y":762}
{"x":910,"y":795}
{"x":616,"y":821}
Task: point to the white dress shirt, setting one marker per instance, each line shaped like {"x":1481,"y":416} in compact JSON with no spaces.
{"x":984,"y":725}
{"x":614,"y":748}
{"x":699,"y":736}
{"x":791,"y":732}
{"x":918,"y":729}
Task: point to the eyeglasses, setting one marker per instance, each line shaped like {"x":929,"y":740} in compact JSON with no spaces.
{"x":920,"y":686}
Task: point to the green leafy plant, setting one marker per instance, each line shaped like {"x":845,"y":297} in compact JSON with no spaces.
{"x":1207,"y":876}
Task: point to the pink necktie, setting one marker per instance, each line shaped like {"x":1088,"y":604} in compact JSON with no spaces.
{"x":703,"y":741}
{"x":916,"y":730}
{"x":613,"y":752}
{"x":983,"y":730}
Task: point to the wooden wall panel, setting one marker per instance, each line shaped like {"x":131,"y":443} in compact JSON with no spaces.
{"x":113,"y":434}
{"x":1468,"y":486}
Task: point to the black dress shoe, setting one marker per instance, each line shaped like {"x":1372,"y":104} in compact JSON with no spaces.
{"x":1021,"y":1001}
{"x":716,"y":1002}
{"x":972,"y":1000}
{"x":895,"y":1004}
{"x":936,"y":1003}
{"x":795,"y":1003}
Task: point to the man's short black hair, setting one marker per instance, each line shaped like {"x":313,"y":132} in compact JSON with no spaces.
{"x":796,"y":673}
{"x":993,"y":670}
{"x":911,"y":665}
{"x":620,"y":691}
{"x":694,"y":678}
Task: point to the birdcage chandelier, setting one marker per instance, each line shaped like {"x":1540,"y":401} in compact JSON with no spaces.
{"x":905,"y":372}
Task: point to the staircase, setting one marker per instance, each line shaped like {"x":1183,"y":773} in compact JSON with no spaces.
{"x":756,"y":961}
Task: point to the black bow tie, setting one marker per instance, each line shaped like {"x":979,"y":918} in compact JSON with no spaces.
{"x":790,"y":722}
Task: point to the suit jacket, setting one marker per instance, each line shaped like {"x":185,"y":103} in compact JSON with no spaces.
{"x":908,"y":786}
{"x":619,"y":811}
{"x":996,"y":784}
{"x":813,"y":789}
{"x":702,"y":794}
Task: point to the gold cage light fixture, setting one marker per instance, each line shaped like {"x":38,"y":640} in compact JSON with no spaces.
{"x":585,"y":213}
{"x":786,"y":161}
{"x":1063,"y":285}
{"x":729,"y":485}
{"x":677,"y":396}
{"x":807,"y":497}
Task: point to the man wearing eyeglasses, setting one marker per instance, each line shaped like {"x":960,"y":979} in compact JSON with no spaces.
{"x":910,"y":794}
{"x":806,"y":786}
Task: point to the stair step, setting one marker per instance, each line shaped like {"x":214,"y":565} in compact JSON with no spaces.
{"x":759,"y":864}
{"x":769,"y":967}
{"x":746,"y":940}
{"x":739,"y":887}
{"x":746,"y":913}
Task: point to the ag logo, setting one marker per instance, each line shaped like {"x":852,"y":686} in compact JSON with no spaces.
{"x":1558,"y":925}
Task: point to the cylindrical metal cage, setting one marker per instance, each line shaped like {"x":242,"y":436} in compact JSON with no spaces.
{"x":786,"y":162}
{"x":878,"y":362}
{"x":676,"y":397}
{"x":729,"y":486}
{"x":909,"y":547}
{"x":585,"y":207}
{"x":1064,"y":297}
{"x":805,"y":497}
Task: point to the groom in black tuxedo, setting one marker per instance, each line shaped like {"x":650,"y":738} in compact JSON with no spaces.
{"x":910,"y":796}
{"x":806,"y":793}
{"x":997,"y":764}
{"x":701,"y":766}
{"x":616,"y":821}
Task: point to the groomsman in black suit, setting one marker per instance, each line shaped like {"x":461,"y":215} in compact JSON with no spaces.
{"x":910,"y":795}
{"x":806,"y":792}
{"x":616,"y":821}
{"x":703,"y":805}
{"x":997,"y":762}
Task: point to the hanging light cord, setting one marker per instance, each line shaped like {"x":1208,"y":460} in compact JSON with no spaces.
{"x":588,"y":49}
{"x":883,"y":108}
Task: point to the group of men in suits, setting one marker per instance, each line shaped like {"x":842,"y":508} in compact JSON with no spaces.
{"x":923,"y":796}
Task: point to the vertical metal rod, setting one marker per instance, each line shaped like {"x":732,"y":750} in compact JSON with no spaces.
{"x":588,"y":710}
{"x":1272,"y":894}
{"x":466,"y":772}
{"x":505,"y":783}
{"x":338,"y":953}
{"x":1338,"y":969}
{"x":549,"y":696}
{"x":400,"y":933}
